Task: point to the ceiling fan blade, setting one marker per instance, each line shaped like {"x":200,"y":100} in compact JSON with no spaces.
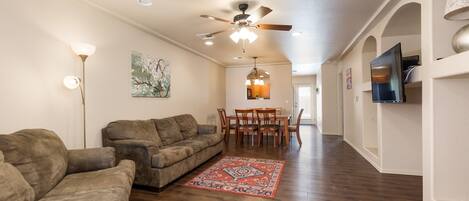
{"x":259,"y":14}
{"x":216,"y":18}
{"x":209,"y":35}
{"x":276,"y":27}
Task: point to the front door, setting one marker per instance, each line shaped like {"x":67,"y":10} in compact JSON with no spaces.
{"x":304,"y":100}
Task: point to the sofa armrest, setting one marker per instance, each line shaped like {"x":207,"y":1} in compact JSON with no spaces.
{"x":139,"y":151}
{"x":206,"y":129}
{"x":86,"y":160}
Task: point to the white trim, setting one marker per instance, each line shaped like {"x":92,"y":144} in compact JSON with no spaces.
{"x":364,"y":28}
{"x":402,"y":172}
{"x":152,"y":32}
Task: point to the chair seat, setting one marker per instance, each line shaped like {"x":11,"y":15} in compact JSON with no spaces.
{"x":248,"y":126}
{"x":291,"y":128}
{"x":232,"y":126}
{"x":272,"y":127}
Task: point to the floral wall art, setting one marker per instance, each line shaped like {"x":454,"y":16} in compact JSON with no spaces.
{"x":151,"y":76}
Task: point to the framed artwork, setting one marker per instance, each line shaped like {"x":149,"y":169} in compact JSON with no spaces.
{"x":151,"y":76}
{"x":348,"y":78}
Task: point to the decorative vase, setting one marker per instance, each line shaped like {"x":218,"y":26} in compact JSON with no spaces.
{"x":461,"y":40}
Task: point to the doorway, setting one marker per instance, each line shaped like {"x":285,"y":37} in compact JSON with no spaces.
{"x":303,"y":99}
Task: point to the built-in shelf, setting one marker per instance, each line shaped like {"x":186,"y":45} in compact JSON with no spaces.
{"x":451,"y":66}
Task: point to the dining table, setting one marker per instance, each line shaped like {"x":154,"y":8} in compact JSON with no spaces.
{"x":285,"y":119}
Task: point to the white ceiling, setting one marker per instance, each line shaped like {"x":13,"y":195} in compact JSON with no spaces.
{"x":328,"y":26}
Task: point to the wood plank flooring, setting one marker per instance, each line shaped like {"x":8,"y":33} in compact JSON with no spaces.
{"x":324,"y":169}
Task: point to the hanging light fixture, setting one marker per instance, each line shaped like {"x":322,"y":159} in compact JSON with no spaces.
{"x":256,"y":76}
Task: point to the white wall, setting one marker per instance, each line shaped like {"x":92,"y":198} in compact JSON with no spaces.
{"x":281,"y":91}
{"x":309,"y":80}
{"x":399,"y":126}
{"x":35,"y":52}
{"x":327,"y":99}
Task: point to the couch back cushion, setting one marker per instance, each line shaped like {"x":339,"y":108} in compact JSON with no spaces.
{"x":39,"y":155}
{"x":12,"y":183}
{"x":169,"y":130}
{"x":187,"y":124}
{"x":133,"y":130}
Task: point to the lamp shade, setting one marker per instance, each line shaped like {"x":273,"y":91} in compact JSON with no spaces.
{"x":71,"y":82}
{"x":457,"y":10}
{"x":83,"y":49}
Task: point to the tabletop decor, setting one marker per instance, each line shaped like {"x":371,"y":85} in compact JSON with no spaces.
{"x":151,"y":76}
{"x":459,"y":10}
{"x":247,"y":176}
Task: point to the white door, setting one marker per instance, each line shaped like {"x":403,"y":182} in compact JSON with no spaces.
{"x":304,"y":100}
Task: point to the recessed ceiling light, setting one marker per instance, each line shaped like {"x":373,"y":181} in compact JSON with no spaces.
{"x":237,"y":58}
{"x":296,"y":34}
{"x":145,"y":2}
{"x":209,"y":43}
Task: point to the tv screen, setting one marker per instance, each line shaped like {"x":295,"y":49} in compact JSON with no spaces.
{"x":386,"y":77}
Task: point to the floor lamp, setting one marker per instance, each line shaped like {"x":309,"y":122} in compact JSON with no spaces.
{"x":83,"y":50}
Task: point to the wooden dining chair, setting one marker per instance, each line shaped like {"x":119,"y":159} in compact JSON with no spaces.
{"x":245,"y":124}
{"x":296,"y":128}
{"x":224,"y":124}
{"x":267,"y":124}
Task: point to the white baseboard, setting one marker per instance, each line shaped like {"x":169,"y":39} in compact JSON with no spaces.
{"x":402,"y":172}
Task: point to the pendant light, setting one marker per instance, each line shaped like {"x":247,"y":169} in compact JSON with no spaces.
{"x":257,"y":76}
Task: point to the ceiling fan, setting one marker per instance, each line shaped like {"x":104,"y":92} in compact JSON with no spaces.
{"x":243,"y":23}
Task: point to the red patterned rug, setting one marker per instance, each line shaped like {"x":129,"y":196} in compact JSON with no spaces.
{"x":249,"y":176}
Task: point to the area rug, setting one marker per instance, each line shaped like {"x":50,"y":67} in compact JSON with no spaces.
{"x":248,"y":176}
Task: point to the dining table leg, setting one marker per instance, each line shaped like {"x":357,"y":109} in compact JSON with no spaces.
{"x":285,"y":131}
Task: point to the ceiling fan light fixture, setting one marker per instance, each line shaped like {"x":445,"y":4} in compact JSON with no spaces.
{"x":235,"y":37}
{"x":252,"y":37}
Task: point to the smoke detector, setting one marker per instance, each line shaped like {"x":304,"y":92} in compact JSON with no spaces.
{"x":145,"y":2}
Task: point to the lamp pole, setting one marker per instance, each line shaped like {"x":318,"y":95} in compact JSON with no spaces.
{"x":82,"y":90}
{"x":83,"y":50}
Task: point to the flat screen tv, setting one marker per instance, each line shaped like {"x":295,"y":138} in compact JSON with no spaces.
{"x":386,"y":77}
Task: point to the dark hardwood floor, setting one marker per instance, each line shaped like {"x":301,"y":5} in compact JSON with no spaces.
{"x":324,"y":169}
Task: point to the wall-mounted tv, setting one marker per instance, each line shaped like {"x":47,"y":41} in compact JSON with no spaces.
{"x":386,"y":77}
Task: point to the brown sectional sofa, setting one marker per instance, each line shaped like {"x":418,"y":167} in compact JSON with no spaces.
{"x":35,"y":165}
{"x":163,"y":149}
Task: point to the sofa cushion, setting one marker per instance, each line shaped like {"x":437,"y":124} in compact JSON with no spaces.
{"x":12,"y":184}
{"x":111,"y":184}
{"x":171,"y":155}
{"x":187,"y":124}
{"x":196,"y":144}
{"x":169,"y":130}
{"x":210,"y":139}
{"x":39,"y":155}
{"x":133,"y":130}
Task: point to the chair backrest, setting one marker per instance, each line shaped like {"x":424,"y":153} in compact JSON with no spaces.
{"x":266,"y":116}
{"x":298,"y":120}
{"x":244,"y":117}
{"x":222,"y":115}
